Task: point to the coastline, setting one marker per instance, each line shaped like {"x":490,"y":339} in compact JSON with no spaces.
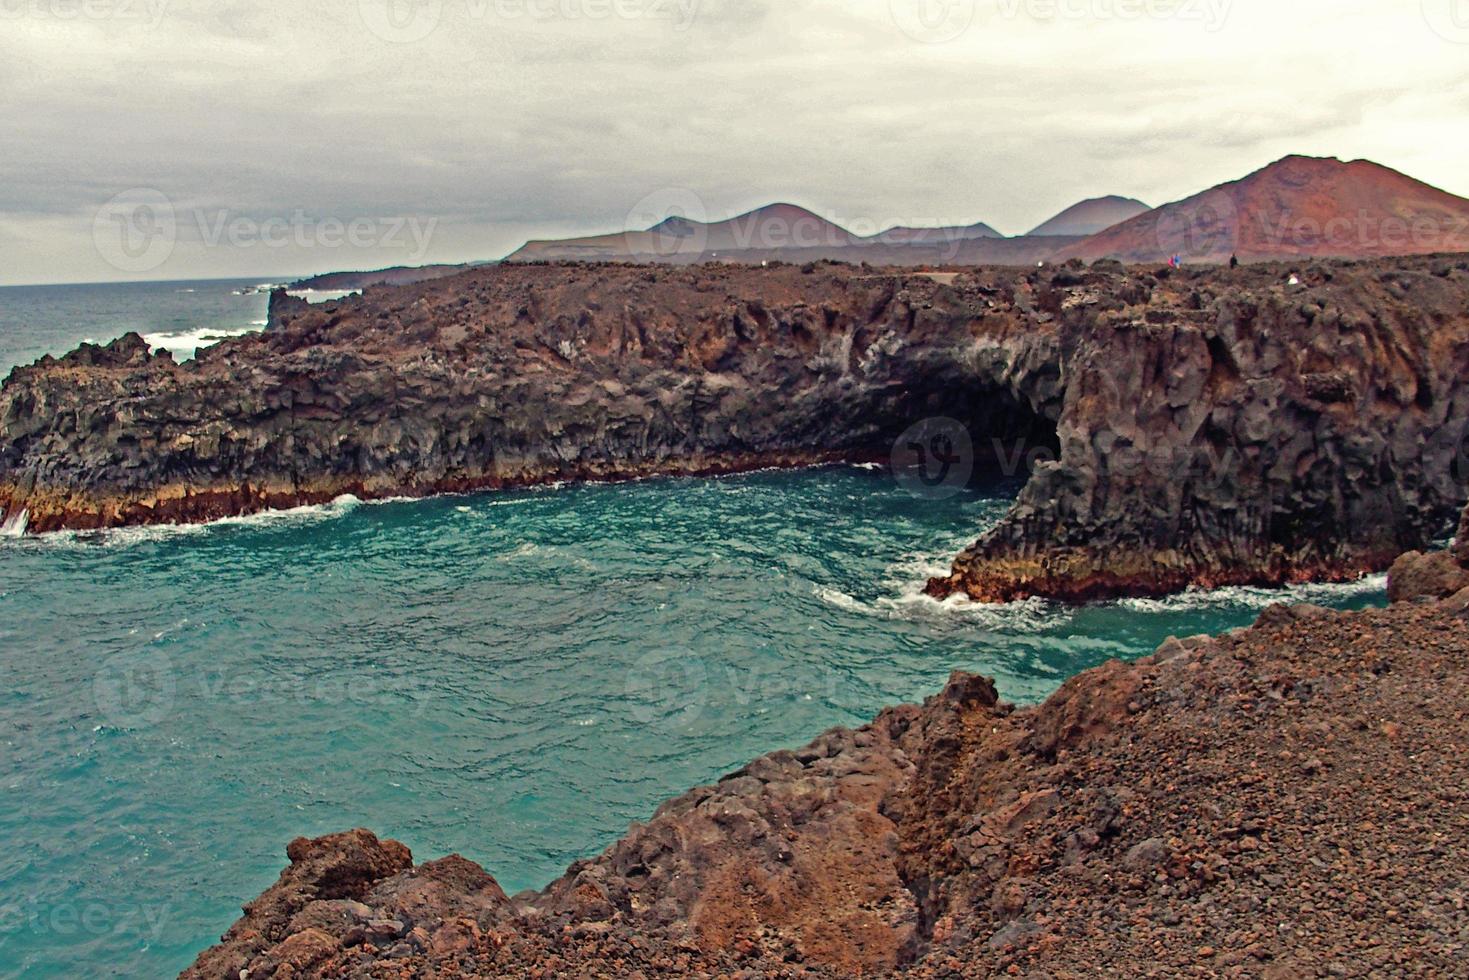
{"x":1178,"y":427}
{"x":1158,"y":811}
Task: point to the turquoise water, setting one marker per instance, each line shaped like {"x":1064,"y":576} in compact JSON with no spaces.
{"x":511,"y":676}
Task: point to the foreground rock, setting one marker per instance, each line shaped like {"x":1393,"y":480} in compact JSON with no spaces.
{"x":1262,"y":425}
{"x":1283,"y":801}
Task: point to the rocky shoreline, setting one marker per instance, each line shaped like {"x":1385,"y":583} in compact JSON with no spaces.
{"x":1269,"y":424}
{"x":1282,"y":801}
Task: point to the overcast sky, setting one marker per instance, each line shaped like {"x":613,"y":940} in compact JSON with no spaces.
{"x":156,"y":139}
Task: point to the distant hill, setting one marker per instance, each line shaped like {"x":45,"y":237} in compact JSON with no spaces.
{"x":903,"y":235}
{"x":401,"y":275}
{"x":680,"y":239}
{"x":1091,"y":216}
{"x":784,"y":232}
{"x":1296,"y":207}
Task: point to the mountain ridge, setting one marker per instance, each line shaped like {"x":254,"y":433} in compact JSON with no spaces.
{"x":1297,"y":207}
{"x":1089,"y":217}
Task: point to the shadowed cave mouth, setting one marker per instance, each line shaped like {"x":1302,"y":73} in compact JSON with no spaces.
{"x":959,"y":434}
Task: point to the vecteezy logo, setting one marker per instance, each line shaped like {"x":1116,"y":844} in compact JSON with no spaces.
{"x":669,"y":224}
{"x":401,"y":21}
{"x":934,"y":459}
{"x":1205,"y":228}
{"x":1449,"y":19}
{"x":668,"y":689}
{"x":136,"y":230}
{"x":932,"y":21}
{"x":135,"y":690}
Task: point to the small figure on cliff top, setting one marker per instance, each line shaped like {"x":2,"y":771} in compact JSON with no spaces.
{"x":1234,"y":261}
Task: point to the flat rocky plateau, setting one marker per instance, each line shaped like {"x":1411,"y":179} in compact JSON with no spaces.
{"x":1288,"y":800}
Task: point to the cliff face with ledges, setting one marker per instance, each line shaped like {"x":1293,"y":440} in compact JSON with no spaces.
{"x":1203,"y":427}
{"x":1293,"y":432}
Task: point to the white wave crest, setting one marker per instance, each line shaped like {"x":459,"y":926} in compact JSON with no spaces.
{"x":1256,"y":597}
{"x":840,"y":599}
{"x":322,"y":295}
{"x":124,"y":537}
{"x":188,"y":343}
{"x":14,"y":525}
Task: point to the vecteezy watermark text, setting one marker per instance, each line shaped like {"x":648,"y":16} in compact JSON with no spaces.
{"x":149,"y":12}
{"x":72,"y":920}
{"x":671,"y":690}
{"x":1449,"y":19}
{"x":410,"y":21}
{"x":1211,"y":14}
{"x":940,"y":21}
{"x":298,"y":229}
{"x":138,"y":230}
{"x":140,"y":689}
{"x":1364,"y":231}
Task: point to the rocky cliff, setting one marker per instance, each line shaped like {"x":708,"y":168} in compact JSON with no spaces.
{"x":1265,"y":424}
{"x":1283,"y":801}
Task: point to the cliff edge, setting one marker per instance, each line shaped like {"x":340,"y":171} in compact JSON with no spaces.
{"x":1281,"y":801}
{"x":1268,"y":424}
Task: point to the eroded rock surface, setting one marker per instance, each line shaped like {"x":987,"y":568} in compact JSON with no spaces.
{"x":1282,"y":801}
{"x":1203,"y":427}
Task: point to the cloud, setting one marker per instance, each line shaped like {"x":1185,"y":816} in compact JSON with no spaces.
{"x":509,"y":119}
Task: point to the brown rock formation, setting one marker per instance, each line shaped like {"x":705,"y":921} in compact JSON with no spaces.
{"x":1280,"y":801}
{"x":1191,"y":428}
{"x":1437,"y":575}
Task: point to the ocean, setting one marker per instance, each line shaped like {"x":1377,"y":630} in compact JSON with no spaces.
{"x":512,"y":676}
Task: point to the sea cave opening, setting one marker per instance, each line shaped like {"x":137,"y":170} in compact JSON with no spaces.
{"x":956,"y":432}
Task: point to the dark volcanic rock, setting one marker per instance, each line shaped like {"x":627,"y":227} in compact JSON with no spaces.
{"x":283,"y":308}
{"x":1201,"y":427}
{"x":1282,"y":801}
{"x":1461,"y":540}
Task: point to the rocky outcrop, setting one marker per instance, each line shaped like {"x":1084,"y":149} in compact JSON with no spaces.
{"x":1436,"y":575}
{"x":1279,"y":801}
{"x":1263,"y":425}
{"x":1304,"y":431}
{"x":1461,"y":540}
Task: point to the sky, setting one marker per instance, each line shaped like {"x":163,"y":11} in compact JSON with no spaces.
{"x":172,"y":139}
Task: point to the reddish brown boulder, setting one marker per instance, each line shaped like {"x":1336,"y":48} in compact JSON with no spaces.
{"x":1436,"y":575}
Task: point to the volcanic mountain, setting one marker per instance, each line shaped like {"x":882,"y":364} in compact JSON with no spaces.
{"x":903,"y":235}
{"x":1296,"y":207}
{"x":679,"y":239}
{"x":791,"y":233}
{"x":1090,"y":217}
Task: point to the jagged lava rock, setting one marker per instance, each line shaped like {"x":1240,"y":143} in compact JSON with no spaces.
{"x":1272,"y":797}
{"x":1204,"y":427}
